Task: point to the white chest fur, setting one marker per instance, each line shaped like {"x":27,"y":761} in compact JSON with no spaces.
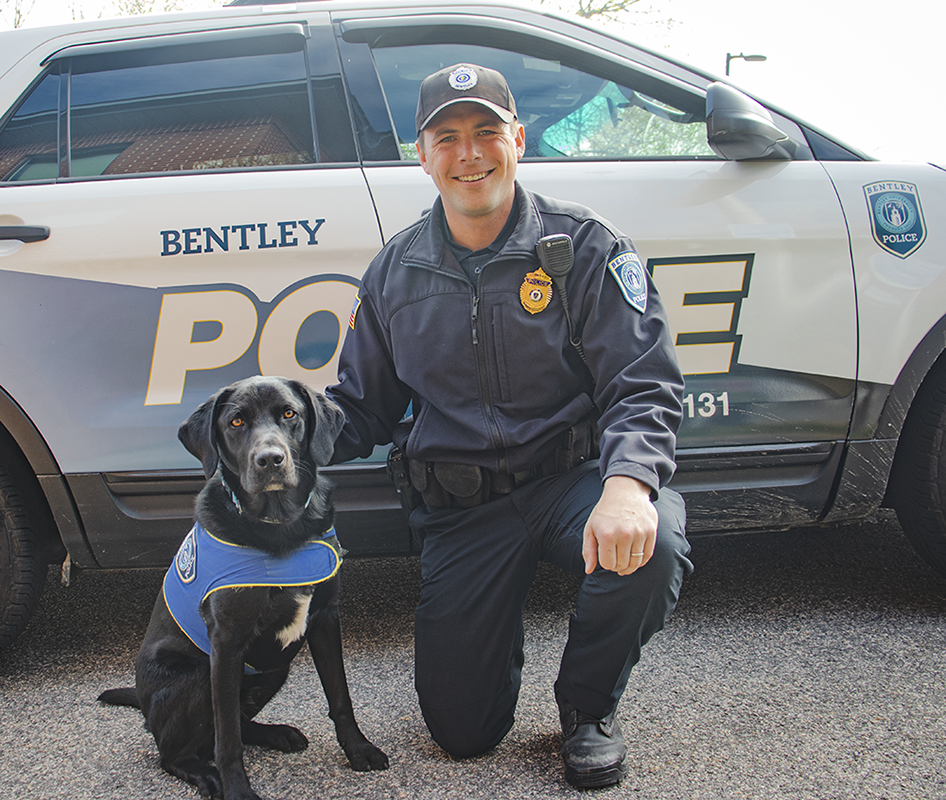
{"x":295,"y":630}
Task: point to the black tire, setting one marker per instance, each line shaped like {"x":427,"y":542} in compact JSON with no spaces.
{"x":22,"y":571}
{"x":919,"y":471}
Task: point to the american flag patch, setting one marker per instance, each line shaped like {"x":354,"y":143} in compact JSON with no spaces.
{"x":354,"y":312}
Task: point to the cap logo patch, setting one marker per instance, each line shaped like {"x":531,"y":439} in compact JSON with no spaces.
{"x":462,"y":79}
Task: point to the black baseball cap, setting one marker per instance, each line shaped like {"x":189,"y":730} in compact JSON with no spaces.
{"x":464,"y":83}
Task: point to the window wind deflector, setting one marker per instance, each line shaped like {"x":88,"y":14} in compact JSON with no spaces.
{"x":198,"y":46}
{"x":359,"y":30}
{"x":367,"y":30}
{"x":502,"y":34}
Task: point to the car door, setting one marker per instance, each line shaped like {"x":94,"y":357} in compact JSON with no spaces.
{"x":203,"y":225}
{"x":752,"y":259}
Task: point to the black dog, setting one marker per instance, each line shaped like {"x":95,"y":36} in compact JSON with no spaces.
{"x":264,"y":507}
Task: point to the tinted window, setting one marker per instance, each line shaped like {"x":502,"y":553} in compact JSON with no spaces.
{"x":568,"y":112}
{"x":180,"y":108}
{"x":28,"y":142}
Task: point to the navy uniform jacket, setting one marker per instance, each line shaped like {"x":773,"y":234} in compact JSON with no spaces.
{"x":495,"y":383}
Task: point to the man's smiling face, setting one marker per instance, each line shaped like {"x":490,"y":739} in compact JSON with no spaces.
{"x":471,"y":155}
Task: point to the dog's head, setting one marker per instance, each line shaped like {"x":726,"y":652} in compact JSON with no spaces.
{"x":262,"y":430}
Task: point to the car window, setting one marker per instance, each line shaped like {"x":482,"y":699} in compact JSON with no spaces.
{"x":169,"y":110}
{"x":28,"y":149}
{"x":568,"y":112}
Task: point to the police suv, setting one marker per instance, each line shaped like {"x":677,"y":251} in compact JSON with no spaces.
{"x":187,"y":200}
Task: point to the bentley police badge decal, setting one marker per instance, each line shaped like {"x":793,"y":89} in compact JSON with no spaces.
{"x":896,"y":217}
{"x":535,"y":294}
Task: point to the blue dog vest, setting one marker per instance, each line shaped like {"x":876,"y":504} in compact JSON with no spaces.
{"x":204,"y":564}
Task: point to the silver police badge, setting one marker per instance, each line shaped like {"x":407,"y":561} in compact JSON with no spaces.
{"x":896,"y":217}
{"x":629,"y":273}
{"x":462,"y":79}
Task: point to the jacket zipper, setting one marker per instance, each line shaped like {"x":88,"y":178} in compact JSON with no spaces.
{"x":483,"y":370}
{"x":476,"y":311}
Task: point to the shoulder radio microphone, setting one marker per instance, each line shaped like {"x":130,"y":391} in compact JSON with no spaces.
{"x":556,"y":254}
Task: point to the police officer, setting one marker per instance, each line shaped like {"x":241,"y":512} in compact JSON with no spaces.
{"x":522,"y":366}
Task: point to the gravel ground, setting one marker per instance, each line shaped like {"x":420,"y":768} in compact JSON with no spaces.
{"x":807,"y":664}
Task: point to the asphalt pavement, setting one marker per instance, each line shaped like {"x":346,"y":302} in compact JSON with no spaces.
{"x":806,"y":664}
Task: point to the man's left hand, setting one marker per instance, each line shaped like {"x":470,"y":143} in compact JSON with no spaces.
{"x":622,"y":529}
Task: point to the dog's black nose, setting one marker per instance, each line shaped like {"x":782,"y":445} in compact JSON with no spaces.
{"x":270,"y":457}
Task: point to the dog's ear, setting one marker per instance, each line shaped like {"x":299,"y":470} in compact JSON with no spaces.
{"x":324,"y":423}
{"x":199,"y":432}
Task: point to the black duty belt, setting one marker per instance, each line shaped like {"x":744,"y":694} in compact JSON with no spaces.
{"x":444,"y":484}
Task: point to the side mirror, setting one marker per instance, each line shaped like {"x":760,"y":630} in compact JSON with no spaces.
{"x":738,"y":128}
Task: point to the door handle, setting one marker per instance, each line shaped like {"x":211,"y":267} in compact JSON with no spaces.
{"x":25,"y":233}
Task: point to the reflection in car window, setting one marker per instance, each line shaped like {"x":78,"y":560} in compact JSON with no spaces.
{"x":237,"y":112}
{"x":567,"y":113}
{"x":133,"y":114}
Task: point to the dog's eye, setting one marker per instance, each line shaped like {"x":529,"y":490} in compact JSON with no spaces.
{"x":236,"y":422}
{"x":288,"y":413}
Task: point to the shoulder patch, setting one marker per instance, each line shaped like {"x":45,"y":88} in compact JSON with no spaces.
{"x":628,"y":271}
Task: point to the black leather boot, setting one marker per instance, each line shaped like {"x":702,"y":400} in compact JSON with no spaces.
{"x":593,"y":749}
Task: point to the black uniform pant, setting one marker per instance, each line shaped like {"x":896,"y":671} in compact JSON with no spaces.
{"x":477,"y":566}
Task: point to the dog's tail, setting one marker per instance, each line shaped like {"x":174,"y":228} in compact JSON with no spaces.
{"x":120,"y":697}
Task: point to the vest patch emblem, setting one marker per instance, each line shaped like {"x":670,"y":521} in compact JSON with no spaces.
{"x":185,"y":562}
{"x":535,"y":294}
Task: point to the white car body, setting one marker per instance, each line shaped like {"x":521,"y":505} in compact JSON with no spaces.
{"x":804,"y":282}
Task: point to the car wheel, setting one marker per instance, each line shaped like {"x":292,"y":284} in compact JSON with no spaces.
{"x":919,"y":471}
{"x":22,"y":572}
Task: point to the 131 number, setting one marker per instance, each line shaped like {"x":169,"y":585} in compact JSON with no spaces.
{"x":706,"y":404}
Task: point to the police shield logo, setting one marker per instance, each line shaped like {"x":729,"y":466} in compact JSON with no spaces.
{"x":896,"y":217}
{"x":629,"y":273}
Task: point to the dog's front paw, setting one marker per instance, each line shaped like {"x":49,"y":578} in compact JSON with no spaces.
{"x":284,"y":738}
{"x":365,"y":757}
{"x":288,"y":739}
